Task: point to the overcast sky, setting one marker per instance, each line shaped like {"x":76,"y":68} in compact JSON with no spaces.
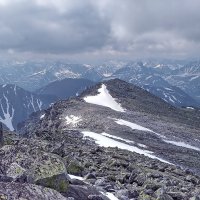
{"x":100,"y":29}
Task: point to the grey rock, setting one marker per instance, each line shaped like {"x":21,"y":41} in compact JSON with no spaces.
{"x":28,"y":191}
{"x":164,"y":197}
{"x":90,"y":176}
{"x":58,"y":182}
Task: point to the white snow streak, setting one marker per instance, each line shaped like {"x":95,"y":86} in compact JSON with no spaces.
{"x":190,"y":108}
{"x":118,"y":138}
{"x":76,"y":177}
{"x":32,"y":103}
{"x":104,"y":99}
{"x":138,"y":127}
{"x":108,"y":142}
{"x":110,"y":196}
{"x":132,"y":125}
{"x":7,"y":116}
{"x":42,"y":116}
{"x":39,"y":103}
{"x":15,"y":89}
{"x":182,"y":144}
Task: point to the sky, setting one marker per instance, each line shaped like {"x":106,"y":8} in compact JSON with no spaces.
{"x":89,"y":30}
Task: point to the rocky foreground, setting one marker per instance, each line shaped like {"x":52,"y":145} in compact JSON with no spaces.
{"x":41,"y":168}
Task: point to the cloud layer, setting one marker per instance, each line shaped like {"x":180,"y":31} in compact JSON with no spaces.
{"x":100,"y":28}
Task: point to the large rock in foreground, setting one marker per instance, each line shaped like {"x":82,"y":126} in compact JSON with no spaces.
{"x":26,"y":163}
{"x":27,"y":192}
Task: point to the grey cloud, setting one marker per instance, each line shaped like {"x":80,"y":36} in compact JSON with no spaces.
{"x":101,"y":27}
{"x":34,"y":28}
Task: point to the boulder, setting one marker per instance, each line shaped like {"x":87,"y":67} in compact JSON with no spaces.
{"x":31,"y":162}
{"x":27,"y":191}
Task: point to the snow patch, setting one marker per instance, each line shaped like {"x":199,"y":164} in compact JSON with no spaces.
{"x":142,"y":145}
{"x":87,"y":66}
{"x":147,"y":78}
{"x":110,"y":196}
{"x":132,"y":125}
{"x":15,"y":90}
{"x":39,"y":73}
{"x":118,"y":138}
{"x":39,"y":104}
{"x":76,"y":177}
{"x":32,"y":103}
{"x":104,"y":141}
{"x":193,"y":78}
{"x":104,"y":99}
{"x":65,"y":73}
{"x":73,"y":120}
{"x":42,"y":116}
{"x":107,"y":74}
{"x":190,"y":108}
{"x":182,"y":144}
{"x":7,"y":116}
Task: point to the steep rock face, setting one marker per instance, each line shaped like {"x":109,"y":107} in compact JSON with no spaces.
{"x":16,"y":104}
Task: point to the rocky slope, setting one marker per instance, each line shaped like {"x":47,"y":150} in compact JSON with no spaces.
{"x":117,"y":138}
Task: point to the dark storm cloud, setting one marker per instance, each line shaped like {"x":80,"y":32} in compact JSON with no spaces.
{"x":101,"y":27}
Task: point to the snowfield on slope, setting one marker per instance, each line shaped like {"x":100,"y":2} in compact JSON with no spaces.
{"x":105,"y":141}
{"x":141,"y":128}
{"x":135,"y":126}
{"x":104,"y":99}
{"x":131,"y":125}
{"x":76,"y":177}
{"x":182,"y":144}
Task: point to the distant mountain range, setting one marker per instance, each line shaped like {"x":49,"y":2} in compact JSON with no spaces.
{"x":34,"y":75}
{"x":175,"y":82}
{"x":147,"y":78}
